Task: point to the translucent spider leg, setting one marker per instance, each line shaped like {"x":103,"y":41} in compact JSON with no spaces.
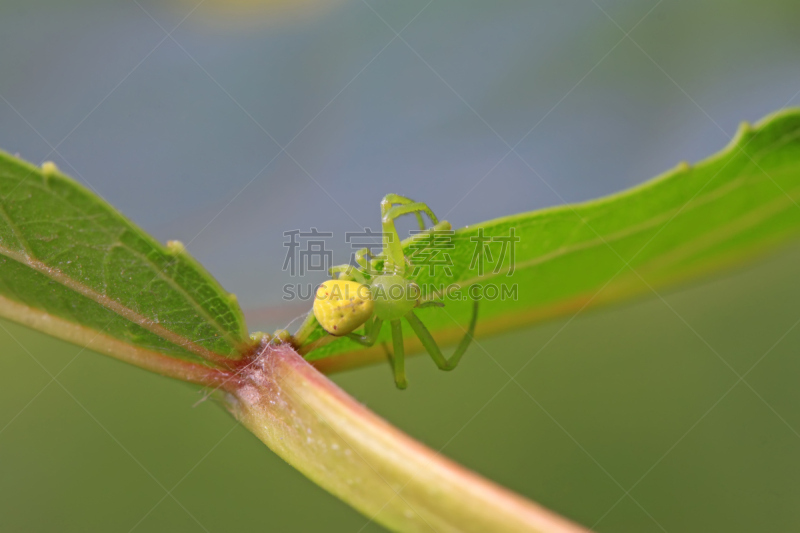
{"x":394,"y":261}
{"x":391,"y":199}
{"x":399,"y":359}
{"x":372,"y":328}
{"x":347,"y":272}
{"x":366,"y":261}
{"x":433,"y":349}
{"x":371,"y":331}
{"x":300,"y":338}
{"x":389,"y":356}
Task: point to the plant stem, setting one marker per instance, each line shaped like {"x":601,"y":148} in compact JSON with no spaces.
{"x":365,"y":461}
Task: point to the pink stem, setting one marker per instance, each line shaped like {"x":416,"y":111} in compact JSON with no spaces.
{"x":351,"y":452}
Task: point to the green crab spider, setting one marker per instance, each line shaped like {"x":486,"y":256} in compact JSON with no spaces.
{"x":367,"y":296}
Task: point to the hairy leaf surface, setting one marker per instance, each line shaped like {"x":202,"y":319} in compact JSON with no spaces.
{"x":72,"y":266}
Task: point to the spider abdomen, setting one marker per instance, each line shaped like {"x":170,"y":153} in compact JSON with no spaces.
{"x":342,"y":306}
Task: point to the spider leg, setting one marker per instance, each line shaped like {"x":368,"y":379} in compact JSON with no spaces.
{"x":313,"y":345}
{"x":392,"y":247}
{"x":388,"y":353}
{"x":366,"y":261}
{"x":391,"y":199}
{"x":389,"y":356}
{"x":361,"y":258}
{"x":399,"y":360}
{"x":300,"y":338}
{"x":372,"y":329}
{"x":429,"y":304}
{"x":433,"y":349}
{"x":347,"y":272}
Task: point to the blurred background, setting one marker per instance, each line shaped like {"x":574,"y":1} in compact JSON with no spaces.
{"x":226,"y":123}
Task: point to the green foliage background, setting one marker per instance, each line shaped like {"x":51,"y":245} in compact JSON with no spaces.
{"x":626,"y":383}
{"x":612,"y":394}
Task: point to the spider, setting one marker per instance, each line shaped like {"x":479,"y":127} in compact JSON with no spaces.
{"x":373,"y":294}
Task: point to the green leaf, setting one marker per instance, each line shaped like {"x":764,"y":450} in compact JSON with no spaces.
{"x":72,"y":266}
{"x":688,"y":222}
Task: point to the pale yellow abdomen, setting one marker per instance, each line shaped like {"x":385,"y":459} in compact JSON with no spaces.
{"x":342,"y":306}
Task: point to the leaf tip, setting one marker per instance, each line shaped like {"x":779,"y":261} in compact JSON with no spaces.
{"x":258,"y":335}
{"x":744,"y":128}
{"x":176,"y":247}
{"x":282,"y":336}
{"x":49,"y":169}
